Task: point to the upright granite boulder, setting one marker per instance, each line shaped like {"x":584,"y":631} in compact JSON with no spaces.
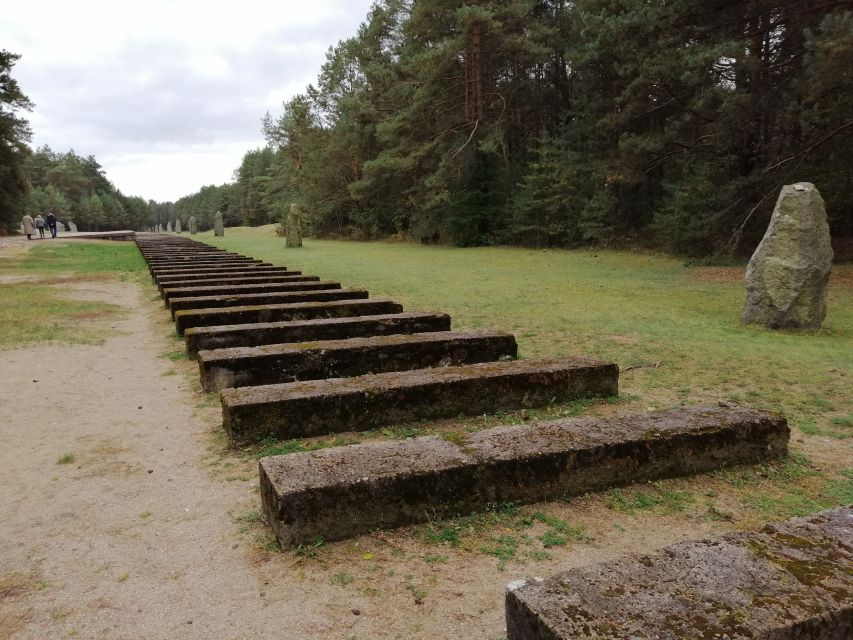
{"x":218,"y":227}
{"x":193,"y":225}
{"x":293,"y":227}
{"x":787,"y":275}
{"x":177,"y":225}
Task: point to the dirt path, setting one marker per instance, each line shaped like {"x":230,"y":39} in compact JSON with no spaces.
{"x":131,"y":539}
{"x":138,"y":536}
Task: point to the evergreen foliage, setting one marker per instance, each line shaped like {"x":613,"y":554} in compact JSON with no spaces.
{"x":557,"y":123}
{"x":14,"y":135}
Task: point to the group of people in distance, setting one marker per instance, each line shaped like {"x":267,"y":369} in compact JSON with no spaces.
{"x":38,"y":224}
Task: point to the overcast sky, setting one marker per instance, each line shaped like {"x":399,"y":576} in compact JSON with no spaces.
{"x":167,"y":95}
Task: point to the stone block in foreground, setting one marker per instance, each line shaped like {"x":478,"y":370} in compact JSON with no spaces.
{"x":789,"y":581}
{"x":264,"y":297}
{"x":250,"y":287}
{"x":318,"y":407}
{"x":278,"y":312}
{"x":346,"y":491}
{"x":257,"y":334}
{"x":275,"y":363}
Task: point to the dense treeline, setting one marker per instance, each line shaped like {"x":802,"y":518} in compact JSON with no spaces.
{"x":14,"y":136}
{"x":558,"y":123}
{"x":76,"y":190}
{"x":534,"y":122}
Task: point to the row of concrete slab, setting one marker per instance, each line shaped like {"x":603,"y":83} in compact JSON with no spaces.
{"x":296,"y":356}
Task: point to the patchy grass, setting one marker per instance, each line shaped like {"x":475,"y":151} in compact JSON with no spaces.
{"x":37,"y":311}
{"x":37,"y":315}
{"x":66,"y":458}
{"x":84,"y":258}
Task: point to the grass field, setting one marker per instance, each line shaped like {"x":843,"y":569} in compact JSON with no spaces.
{"x":674,"y":330}
{"x":37,"y":303}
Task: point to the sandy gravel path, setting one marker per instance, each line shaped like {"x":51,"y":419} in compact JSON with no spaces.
{"x":129,"y":540}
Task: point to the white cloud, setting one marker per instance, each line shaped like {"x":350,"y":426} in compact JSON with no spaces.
{"x":167,"y":95}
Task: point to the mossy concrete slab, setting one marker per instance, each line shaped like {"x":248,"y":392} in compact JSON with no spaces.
{"x":171,"y":293}
{"x":264,"y":297}
{"x":346,"y":491}
{"x":276,"y":363}
{"x":257,"y":334}
{"x":237,"y":279}
{"x":789,"y":581}
{"x":245,"y":266}
{"x":173,"y":280}
{"x":278,"y":312}
{"x":317,"y":407}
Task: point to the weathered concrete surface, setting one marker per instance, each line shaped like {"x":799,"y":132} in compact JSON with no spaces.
{"x":170,"y":280}
{"x":787,"y":277}
{"x":257,"y":334}
{"x":186,"y":263}
{"x":272,"y":364}
{"x":171,"y":293}
{"x":278,"y":312}
{"x":236,"y":265}
{"x":316,"y":407}
{"x":224,"y":281}
{"x":265,"y":297}
{"x":345,"y":491}
{"x":789,"y":581}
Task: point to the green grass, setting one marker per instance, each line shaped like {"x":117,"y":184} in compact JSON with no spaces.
{"x":634,"y":309}
{"x":79,"y":257}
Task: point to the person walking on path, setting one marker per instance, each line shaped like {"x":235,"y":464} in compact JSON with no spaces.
{"x":40,"y":225}
{"x":29,"y":226}
{"x":51,"y":223}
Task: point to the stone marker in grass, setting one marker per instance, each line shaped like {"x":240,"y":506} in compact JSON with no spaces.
{"x":257,"y":334}
{"x":789,"y":581}
{"x":271,"y":364}
{"x":346,"y":491}
{"x":787,"y":276}
{"x":318,"y":407}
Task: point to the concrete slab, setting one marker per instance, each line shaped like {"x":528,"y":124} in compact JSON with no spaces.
{"x":345,"y":491}
{"x":318,"y":407}
{"x":257,"y":334}
{"x":264,"y":297}
{"x":277,"y":363}
{"x":277,"y":312}
{"x":789,"y":581}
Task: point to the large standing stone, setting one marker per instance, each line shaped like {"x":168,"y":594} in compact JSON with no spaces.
{"x":787,"y":276}
{"x":169,"y":227}
{"x":177,"y":225}
{"x":218,"y":228}
{"x":193,"y":225}
{"x":72,"y":227}
{"x":293,"y":227}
